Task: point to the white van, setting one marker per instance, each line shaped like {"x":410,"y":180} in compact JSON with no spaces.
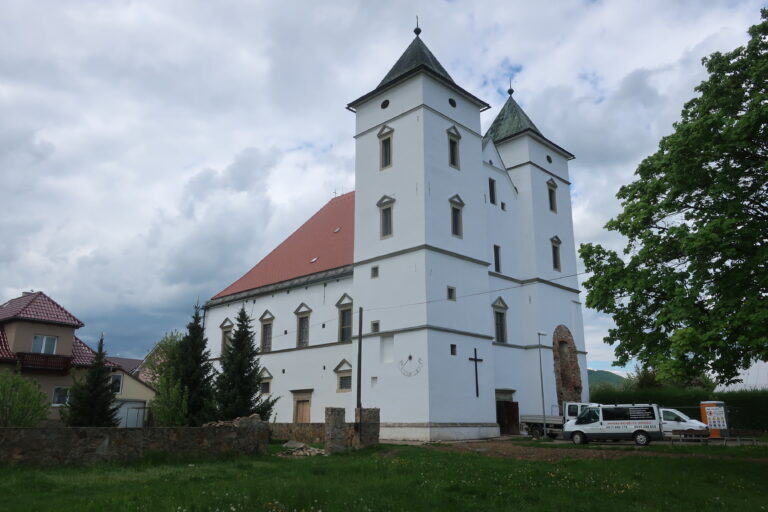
{"x":672,"y":419}
{"x":641,"y":422}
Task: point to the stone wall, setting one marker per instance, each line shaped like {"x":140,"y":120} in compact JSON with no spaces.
{"x":76,"y":445}
{"x":341,"y":436}
{"x":303,"y":432}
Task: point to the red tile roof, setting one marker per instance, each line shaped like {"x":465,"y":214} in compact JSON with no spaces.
{"x":83,"y":355}
{"x":37,"y":307}
{"x":324,"y":242}
{"x":5,"y":349}
{"x":126,"y":363}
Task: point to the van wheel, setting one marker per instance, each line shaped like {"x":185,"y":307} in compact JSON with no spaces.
{"x":641,"y":438}
{"x":579,"y":438}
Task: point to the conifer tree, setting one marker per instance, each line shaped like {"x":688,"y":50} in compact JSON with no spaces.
{"x":92,"y":400}
{"x":239,"y":383}
{"x":193,"y":370}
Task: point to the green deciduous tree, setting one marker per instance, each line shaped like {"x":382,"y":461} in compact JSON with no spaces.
{"x":92,"y":400}
{"x":169,"y":407}
{"x":162,"y":358}
{"x":238,"y":384}
{"x":192,"y":369}
{"x":689,"y":296}
{"x":22,"y":404}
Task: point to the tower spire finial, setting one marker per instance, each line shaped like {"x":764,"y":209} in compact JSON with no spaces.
{"x":417,"y":30}
{"x":510,"y":90}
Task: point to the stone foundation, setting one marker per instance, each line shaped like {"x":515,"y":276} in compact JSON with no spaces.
{"x":303,"y":432}
{"x":77,"y":445}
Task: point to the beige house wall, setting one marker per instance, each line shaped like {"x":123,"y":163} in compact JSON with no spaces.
{"x":21,"y":334}
{"x":132,"y":388}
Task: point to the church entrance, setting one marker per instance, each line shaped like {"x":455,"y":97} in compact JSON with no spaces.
{"x":507,"y":412}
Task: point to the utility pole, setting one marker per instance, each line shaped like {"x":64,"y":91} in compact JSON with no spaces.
{"x":541,"y":380}
{"x":360,"y":359}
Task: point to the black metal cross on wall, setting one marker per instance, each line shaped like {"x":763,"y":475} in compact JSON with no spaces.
{"x":477,"y":384}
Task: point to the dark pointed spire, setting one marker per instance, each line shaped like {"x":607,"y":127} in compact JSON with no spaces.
{"x":510,"y":121}
{"x":417,"y":30}
{"x":416,"y":55}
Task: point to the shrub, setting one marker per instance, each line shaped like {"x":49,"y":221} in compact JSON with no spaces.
{"x":22,"y":404}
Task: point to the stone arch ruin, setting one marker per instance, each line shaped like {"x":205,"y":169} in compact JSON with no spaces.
{"x":567,"y":371}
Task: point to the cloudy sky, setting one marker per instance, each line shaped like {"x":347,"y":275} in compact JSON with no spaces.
{"x":152,"y":152}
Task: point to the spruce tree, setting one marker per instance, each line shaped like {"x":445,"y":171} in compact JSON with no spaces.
{"x":92,"y":400}
{"x":193,"y":370}
{"x":239,"y":382}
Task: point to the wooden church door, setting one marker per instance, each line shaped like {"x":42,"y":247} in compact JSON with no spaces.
{"x":508,"y":417}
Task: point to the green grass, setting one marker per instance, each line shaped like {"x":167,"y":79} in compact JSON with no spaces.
{"x":391,"y":478}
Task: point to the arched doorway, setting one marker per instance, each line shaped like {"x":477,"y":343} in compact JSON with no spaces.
{"x":567,"y":371}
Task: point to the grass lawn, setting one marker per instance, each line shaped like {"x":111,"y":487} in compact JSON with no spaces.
{"x":392,"y":478}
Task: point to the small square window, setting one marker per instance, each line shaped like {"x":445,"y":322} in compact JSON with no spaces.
{"x":60,"y":396}
{"x":374,"y":272}
{"x":116,"y":383}
{"x":451,"y":293}
{"x":266,"y":387}
{"x":375,"y":326}
{"x":344,"y":382}
{"x":453,"y":349}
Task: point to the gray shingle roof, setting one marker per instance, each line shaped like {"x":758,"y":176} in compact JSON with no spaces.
{"x":510,"y":121}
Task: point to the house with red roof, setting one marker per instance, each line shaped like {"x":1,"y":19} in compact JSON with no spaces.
{"x":443,"y":289}
{"x":37,"y":336}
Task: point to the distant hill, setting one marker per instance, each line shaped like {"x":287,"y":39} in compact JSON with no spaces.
{"x":604,"y":377}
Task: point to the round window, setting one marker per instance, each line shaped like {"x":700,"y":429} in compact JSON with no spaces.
{"x":452,"y":102}
{"x":385,"y":104}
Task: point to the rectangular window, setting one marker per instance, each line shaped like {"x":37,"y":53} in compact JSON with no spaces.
{"x":492,"y":190}
{"x":375,"y":326}
{"x":556,"y":257}
{"x":451,"y":293}
{"x":386,"y":222}
{"x":386,"y":152}
{"x":496,"y":258}
{"x":345,"y":382}
{"x":44,"y":344}
{"x":266,"y":387}
{"x":266,"y":337}
{"x":453,"y":152}
{"x":552,"y":199}
{"x":302,"y":332}
{"x":345,"y":324}
{"x":60,"y":396}
{"x":374,"y":272}
{"x":501,"y":326}
{"x":116,"y":383}
{"x":456,"y":227}
{"x":453,"y":349}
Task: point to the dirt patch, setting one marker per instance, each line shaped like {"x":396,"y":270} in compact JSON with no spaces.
{"x":509,"y":449}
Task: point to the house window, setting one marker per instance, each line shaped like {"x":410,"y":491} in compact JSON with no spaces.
{"x":375,"y":326}
{"x":500,"y":320}
{"x":42,"y":344}
{"x":552,"y":195}
{"x":385,"y":147}
{"x":496,"y":258}
{"x":345,"y":382}
{"x":266,"y":386}
{"x":266,"y":337}
{"x":60,"y":396}
{"x":457,"y":225}
{"x":453,"y":147}
{"x":345,"y":324}
{"x":555,"y":253}
{"x":451,"y":293}
{"x":374,"y":272}
{"x":453,"y":349}
{"x":492,"y":190}
{"x":386,"y":224}
{"x":116,"y":383}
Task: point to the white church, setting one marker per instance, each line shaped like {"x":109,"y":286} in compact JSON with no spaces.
{"x":457,"y":245}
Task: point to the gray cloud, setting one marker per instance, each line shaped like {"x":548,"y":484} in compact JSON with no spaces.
{"x":151,"y":153}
